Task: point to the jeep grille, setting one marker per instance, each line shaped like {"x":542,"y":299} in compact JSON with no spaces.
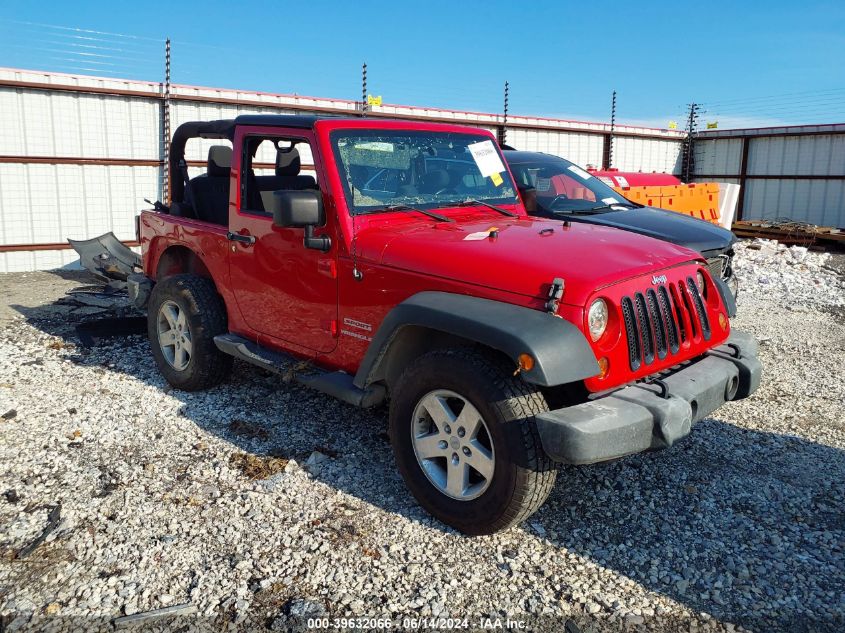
{"x":718,"y":266}
{"x":659,"y":322}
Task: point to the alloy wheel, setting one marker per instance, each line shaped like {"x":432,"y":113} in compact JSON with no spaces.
{"x":453,"y":445}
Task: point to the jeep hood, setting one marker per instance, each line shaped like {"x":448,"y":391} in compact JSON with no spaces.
{"x":523,"y":257}
{"x":671,"y":226}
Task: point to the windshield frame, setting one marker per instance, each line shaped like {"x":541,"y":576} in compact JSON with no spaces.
{"x":562,"y":167}
{"x":455,"y":199}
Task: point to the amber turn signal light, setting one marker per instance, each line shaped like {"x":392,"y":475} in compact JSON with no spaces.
{"x":604,"y":367}
{"x":723,"y":321}
{"x":525,"y":362}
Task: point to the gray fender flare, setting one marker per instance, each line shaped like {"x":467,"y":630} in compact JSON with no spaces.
{"x":561,"y":352}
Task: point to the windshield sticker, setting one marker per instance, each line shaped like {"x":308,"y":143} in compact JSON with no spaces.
{"x":487,"y":158}
{"x":610,"y":200}
{"x":580,"y":172}
{"x":497,"y":179}
{"x":376,"y":146}
{"x":623,"y":182}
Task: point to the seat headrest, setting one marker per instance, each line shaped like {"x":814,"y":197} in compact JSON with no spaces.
{"x":219,"y":160}
{"x":287,"y":162}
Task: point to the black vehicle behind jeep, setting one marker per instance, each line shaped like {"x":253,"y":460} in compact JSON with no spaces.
{"x":553,"y":187}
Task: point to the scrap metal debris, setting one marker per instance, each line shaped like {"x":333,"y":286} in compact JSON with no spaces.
{"x":91,"y":333}
{"x":98,"y":298}
{"x":125,"y":621}
{"x":107,"y":257}
{"x":53,"y":520}
{"x":791,"y":232}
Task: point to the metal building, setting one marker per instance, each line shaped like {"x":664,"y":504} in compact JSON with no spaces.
{"x":78,"y":154}
{"x":794,"y":173}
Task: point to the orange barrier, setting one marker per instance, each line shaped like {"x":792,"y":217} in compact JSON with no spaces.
{"x":699,"y":200}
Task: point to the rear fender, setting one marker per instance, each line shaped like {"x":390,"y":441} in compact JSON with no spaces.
{"x":178,"y":259}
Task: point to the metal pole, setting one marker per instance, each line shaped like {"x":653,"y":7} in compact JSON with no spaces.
{"x":612,"y":130}
{"x":689,"y":156}
{"x":364,"y":88}
{"x":504,"y":132}
{"x":166,"y":124}
{"x":743,"y":178}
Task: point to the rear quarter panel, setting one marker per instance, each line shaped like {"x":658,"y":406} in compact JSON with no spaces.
{"x":208,"y":242}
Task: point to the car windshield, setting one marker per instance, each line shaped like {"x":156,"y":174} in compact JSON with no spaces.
{"x":554,"y":185}
{"x":422,"y":169}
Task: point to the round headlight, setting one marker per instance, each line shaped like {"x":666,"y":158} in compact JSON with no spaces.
{"x":597,"y":319}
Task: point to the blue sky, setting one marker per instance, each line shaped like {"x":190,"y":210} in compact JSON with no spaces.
{"x":749,"y":62}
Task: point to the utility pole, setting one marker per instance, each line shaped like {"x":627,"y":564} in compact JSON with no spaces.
{"x":364,"y":89}
{"x":503,"y":132}
{"x":608,"y":154}
{"x":165,"y":128}
{"x":688,"y":157}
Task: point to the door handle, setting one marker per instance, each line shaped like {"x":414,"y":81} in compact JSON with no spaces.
{"x":248,"y":240}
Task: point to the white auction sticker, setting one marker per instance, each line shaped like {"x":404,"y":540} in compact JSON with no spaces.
{"x":487,"y":158}
{"x":376,"y":146}
{"x":577,"y":170}
{"x":610,"y":200}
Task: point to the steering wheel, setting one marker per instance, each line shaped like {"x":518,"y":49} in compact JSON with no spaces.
{"x":560,"y":196}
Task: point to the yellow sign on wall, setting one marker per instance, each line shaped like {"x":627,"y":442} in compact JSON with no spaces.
{"x":374,"y":100}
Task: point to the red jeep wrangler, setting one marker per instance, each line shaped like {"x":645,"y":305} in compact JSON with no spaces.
{"x":392,"y":260}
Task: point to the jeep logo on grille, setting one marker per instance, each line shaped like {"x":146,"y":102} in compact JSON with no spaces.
{"x":658,"y":279}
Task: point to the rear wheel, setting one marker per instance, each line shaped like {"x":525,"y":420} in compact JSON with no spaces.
{"x":466,"y":443}
{"x":184,"y":315}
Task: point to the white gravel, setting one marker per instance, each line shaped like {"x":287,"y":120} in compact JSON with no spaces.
{"x":742,"y":525}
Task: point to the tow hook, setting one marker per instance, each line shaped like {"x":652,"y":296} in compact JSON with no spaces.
{"x":664,"y":388}
{"x":555,"y":294}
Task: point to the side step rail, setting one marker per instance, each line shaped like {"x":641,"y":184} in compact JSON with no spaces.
{"x":337,"y":384}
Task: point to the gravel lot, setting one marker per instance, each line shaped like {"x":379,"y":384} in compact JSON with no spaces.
{"x":218,"y":499}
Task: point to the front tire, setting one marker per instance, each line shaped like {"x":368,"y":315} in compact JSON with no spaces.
{"x":465,"y":440}
{"x":184,"y":315}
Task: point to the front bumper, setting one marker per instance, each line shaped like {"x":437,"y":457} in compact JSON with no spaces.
{"x":646,"y":416}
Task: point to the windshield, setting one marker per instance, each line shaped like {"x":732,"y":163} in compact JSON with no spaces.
{"x":554,"y":185}
{"x":427,"y":170}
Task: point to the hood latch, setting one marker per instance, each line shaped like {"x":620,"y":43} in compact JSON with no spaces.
{"x":555,"y":294}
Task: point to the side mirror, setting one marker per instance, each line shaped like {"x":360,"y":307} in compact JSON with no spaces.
{"x":298,"y":209}
{"x":303,"y":210}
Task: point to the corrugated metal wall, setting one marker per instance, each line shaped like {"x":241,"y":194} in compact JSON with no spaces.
{"x":635,"y":154}
{"x":79,"y":154}
{"x":583,"y":149}
{"x":792,"y":173}
{"x":718,"y":156}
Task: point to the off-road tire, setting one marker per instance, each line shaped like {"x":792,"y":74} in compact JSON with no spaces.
{"x":523,"y":475}
{"x":206,"y":317}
